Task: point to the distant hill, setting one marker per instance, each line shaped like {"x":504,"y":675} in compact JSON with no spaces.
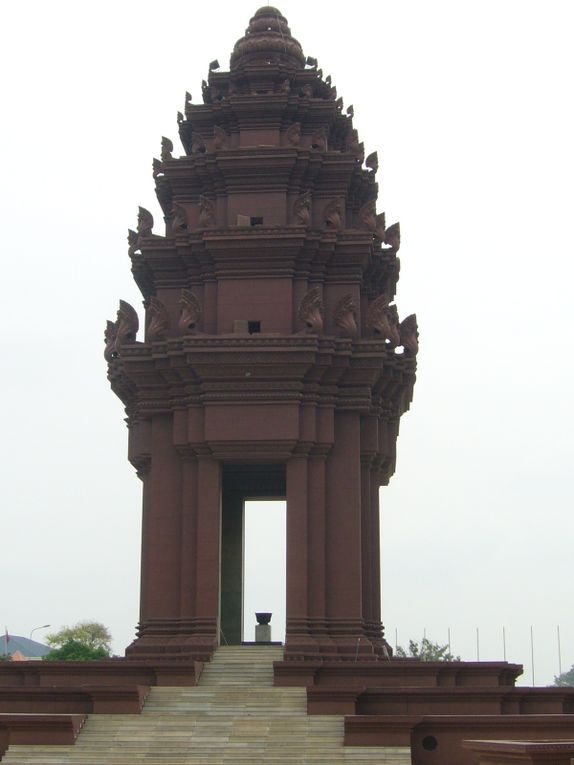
{"x":28,"y":648}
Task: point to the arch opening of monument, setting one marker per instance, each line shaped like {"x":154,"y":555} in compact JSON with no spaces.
{"x":241,"y":483}
{"x":264,"y":557}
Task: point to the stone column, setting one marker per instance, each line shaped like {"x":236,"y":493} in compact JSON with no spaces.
{"x":343,"y":538}
{"x":188,"y":544}
{"x":207,"y":572}
{"x":297,"y":554}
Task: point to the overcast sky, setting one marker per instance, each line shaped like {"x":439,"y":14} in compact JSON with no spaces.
{"x":469,"y":105}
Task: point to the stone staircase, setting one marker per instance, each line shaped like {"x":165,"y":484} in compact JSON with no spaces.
{"x":234,"y":716}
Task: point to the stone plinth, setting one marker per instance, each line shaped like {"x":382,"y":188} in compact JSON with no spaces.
{"x":527,"y":752}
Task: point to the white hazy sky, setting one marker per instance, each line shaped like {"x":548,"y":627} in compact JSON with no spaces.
{"x":469,"y":105}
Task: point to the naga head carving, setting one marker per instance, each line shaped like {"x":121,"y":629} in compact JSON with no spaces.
{"x":206,"y":211}
{"x":382,"y":320}
{"x":110,"y":335}
{"x":311,"y":311}
{"x":372,"y":162}
{"x":197,"y":144}
{"x":159,"y":320}
{"x":409,"y":333}
{"x":166,"y":149}
{"x":145,"y":222}
{"x":220,"y":138}
{"x":352,"y":141}
{"x":127,"y":325}
{"x":333,"y":214}
{"x":302,"y":209}
{"x":346,"y":315}
{"x":368,"y":216}
{"x":133,"y":241}
{"x":178,"y":220}
{"x":380,"y":227}
{"x":393,"y":236}
{"x":293,"y":134}
{"x":157,"y":168}
{"x":190,"y":312}
{"x":319,"y":140}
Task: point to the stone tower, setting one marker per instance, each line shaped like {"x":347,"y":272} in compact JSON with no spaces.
{"x":273,"y":363}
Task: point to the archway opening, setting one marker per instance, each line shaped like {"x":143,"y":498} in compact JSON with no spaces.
{"x":258,"y":486}
{"x":265,"y":547}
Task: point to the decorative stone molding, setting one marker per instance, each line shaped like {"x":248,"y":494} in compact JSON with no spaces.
{"x":190,"y":312}
{"x":346,"y":315}
{"x":159,"y":320}
{"x":311,"y":311}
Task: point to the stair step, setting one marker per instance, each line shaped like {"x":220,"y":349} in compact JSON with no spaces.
{"x":234,"y":716}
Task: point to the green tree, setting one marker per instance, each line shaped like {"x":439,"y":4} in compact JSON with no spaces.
{"x":426,"y":650}
{"x":73,"y":650}
{"x":5,"y":657}
{"x":566,"y":678}
{"x":90,"y":634}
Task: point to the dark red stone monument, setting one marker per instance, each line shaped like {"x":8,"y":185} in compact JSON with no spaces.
{"x":274,"y":362}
